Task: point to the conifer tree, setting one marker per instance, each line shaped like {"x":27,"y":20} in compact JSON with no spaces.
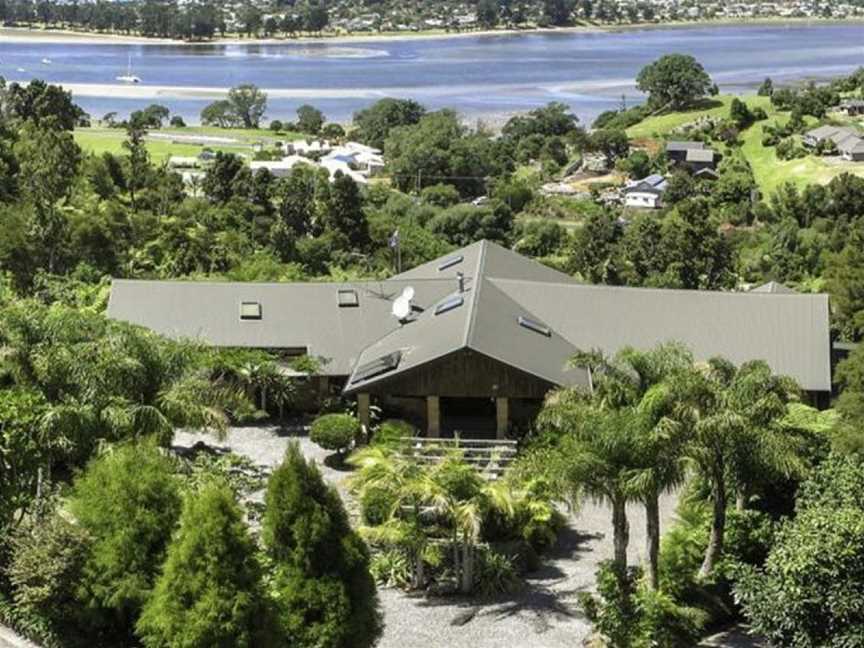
{"x":128,"y":502}
{"x":326,"y":596}
{"x":209,"y":594}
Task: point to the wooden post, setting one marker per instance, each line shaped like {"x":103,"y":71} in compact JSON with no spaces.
{"x":363,"y":413}
{"x":502,"y":416}
{"x":433,"y":417}
{"x":323,"y":386}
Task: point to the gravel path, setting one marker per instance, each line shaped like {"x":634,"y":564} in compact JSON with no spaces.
{"x":545,"y":615}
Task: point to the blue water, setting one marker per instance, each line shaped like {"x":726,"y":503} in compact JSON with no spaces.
{"x":481,"y":76}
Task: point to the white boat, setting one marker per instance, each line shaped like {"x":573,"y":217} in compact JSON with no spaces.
{"x":21,"y":70}
{"x":46,"y":61}
{"x":129,"y":77}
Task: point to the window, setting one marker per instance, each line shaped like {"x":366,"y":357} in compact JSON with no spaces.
{"x":537,"y":327}
{"x":348,"y":298}
{"x":382,"y":365}
{"x":449,"y":304}
{"x":450,"y":262}
{"x":250,"y":310}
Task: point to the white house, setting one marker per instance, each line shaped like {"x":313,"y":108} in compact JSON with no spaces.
{"x":646,"y":193}
{"x":279,"y":168}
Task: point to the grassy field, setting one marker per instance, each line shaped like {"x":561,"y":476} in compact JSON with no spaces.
{"x":768,"y":170}
{"x":99,"y":140}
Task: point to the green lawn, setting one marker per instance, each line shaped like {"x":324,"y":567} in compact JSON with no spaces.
{"x":100,"y":140}
{"x":768,"y":170}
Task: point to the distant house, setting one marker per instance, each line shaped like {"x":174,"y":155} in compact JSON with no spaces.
{"x":181,"y":162}
{"x":835,"y":134}
{"x":774,"y":288}
{"x":849,"y":143}
{"x":279,"y":168}
{"x":677,"y":151}
{"x":852,"y":149}
{"x":852,"y":107}
{"x":647,"y":192}
{"x":694,"y":155}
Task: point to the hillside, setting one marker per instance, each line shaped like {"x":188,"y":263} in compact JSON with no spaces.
{"x":770,"y":172}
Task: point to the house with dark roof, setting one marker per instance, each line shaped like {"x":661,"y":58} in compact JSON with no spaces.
{"x":693,"y":155}
{"x":852,"y":107}
{"x":472,"y":342}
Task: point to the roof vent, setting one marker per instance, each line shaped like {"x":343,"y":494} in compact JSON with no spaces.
{"x":348,"y":298}
{"x":535,"y":326}
{"x":450,"y":262}
{"x":449,"y":304}
{"x":250,"y":310}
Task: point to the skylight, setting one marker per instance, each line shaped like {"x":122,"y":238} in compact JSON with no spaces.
{"x":250,"y":310}
{"x":348,"y":298}
{"x":449,"y":304}
{"x":382,"y":365}
{"x":450,"y":262}
{"x":535,"y":326}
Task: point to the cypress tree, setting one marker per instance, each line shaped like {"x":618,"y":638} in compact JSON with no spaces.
{"x":326,"y":596}
{"x":128,"y":502}
{"x":209,"y":594}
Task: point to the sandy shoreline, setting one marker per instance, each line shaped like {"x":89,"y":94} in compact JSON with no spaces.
{"x":14,"y":34}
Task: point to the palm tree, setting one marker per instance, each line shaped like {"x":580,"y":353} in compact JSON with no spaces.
{"x":732,"y":419}
{"x":638,"y":379}
{"x":598,"y":449}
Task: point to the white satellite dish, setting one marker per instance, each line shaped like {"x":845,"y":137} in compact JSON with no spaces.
{"x":401,"y":307}
{"x":408,"y":293}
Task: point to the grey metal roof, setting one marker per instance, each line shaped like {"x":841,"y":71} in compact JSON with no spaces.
{"x":655,"y":184}
{"x":852,"y":144}
{"x":700,"y":155}
{"x":789,"y":331}
{"x":488,"y":321}
{"x":684,"y":146}
{"x":293,"y":315}
{"x":822,"y":132}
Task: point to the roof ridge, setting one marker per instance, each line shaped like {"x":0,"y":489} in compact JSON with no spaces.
{"x":694,"y":291}
{"x":475,"y":290}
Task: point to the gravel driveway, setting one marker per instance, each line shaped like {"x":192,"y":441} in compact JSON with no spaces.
{"x":545,"y":615}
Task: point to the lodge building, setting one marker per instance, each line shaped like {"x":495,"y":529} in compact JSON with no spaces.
{"x":470,"y":343}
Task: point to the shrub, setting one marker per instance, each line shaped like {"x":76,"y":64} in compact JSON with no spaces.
{"x":495,"y":573}
{"x":46,"y":565}
{"x":631,"y":615}
{"x":325,"y":594}
{"x":391,"y":431}
{"x":128,"y":501}
{"x":391,"y":568}
{"x":276,"y":125}
{"x":376,"y":503}
{"x":177,"y":122}
{"x":335,"y":432}
{"x":810,"y":591}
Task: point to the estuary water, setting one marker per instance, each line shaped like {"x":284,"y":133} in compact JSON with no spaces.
{"x":483,"y":77}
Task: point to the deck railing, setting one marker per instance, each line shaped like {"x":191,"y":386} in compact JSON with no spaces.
{"x":490,"y":457}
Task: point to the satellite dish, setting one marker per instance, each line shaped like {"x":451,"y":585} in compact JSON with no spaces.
{"x":408,"y":293}
{"x":401,"y":307}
